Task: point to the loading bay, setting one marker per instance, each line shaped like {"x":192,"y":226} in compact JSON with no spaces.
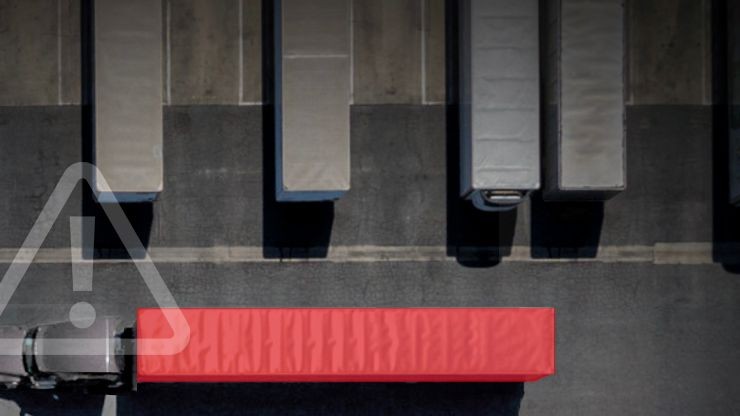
{"x":647,"y":313}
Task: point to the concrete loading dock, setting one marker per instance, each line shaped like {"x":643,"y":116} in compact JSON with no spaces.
{"x":584,"y":90}
{"x":312,"y":93}
{"x":127,"y":99}
{"x":499,"y":101}
{"x":684,"y":317}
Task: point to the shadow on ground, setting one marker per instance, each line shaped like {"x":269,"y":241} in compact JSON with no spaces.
{"x":47,"y":403}
{"x":726,"y":217}
{"x":493,"y":399}
{"x":565,"y":229}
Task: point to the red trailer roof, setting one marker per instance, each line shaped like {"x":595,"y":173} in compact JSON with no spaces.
{"x":353,"y":345}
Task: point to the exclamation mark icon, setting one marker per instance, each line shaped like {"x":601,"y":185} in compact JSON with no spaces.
{"x":81,"y":229}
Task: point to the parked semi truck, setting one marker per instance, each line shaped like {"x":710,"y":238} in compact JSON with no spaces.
{"x":284,"y":345}
{"x":499,"y":101}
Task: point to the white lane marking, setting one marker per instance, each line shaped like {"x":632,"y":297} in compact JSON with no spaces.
{"x":661,"y":253}
{"x":240,"y":19}
{"x":168,"y":51}
{"x":59,"y":53}
{"x":314,"y":55}
{"x":110,"y":404}
{"x":423,"y":52}
{"x":251,"y":103}
{"x":351,"y":52}
{"x":687,"y":253}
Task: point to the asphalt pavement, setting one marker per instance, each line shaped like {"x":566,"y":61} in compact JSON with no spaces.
{"x":633,"y":337}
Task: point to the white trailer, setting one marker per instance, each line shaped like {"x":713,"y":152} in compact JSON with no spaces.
{"x":127,"y":99}
{"x":584,"y":90}
{"x":312,"y":98}
{"x":499,"y":101}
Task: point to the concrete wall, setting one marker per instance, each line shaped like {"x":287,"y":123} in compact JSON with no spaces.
{"x":669,"y":52}
{"x":213,"y":51}
{"x":40,"y":47}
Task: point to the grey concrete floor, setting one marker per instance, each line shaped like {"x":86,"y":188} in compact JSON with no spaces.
{"x":633,"y":338}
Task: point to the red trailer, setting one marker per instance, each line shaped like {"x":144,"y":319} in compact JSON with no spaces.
{"x":352,"y":345}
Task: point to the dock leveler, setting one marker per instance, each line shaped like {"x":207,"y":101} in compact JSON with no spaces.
{"x":499,"y":101}
{"x":584,"y":99}
{"x":126,"y":77}
{"x":312,"y":98}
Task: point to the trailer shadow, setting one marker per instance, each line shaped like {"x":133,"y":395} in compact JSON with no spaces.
{"x":502,"y":399}
{"x":52,"y":403}
{"x":296,"y":230}
{"x":477,"y":238}
{"x":565,"y":229}
{"x":103,"y":241}
{"x":725,"y":216}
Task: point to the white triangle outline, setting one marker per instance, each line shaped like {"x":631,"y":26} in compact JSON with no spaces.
{"x":37,"y":235}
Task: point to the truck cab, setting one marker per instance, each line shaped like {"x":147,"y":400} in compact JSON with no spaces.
{"x":63,"y":355}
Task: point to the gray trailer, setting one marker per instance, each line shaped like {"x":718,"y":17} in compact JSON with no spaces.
{"x":584,"y":99}
{"x":127,"y":99}
{"x":499,"y":101}
{"x":734,"y":97}
{"x":312,"y":98}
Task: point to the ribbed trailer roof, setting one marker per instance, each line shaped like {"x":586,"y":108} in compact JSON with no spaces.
{"x":585,"y":137}
{"x":499,"y":74}
{"x":127,"y":101}
{"x":312,"y":62}
{"x":353,"y":345}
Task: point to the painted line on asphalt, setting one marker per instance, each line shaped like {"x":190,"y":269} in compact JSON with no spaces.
{"x":661,"y":253}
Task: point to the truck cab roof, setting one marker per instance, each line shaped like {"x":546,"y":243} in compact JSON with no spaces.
{"x":64,"y":348}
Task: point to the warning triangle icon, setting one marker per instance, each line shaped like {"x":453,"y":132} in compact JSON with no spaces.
{"x":83,"y":171}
